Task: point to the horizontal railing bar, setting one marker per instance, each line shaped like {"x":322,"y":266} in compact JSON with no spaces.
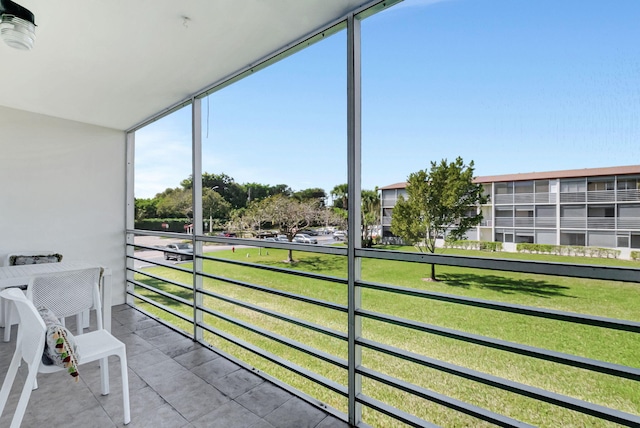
{"x":395,"y":413}
{"x":292,"y":296}
{"x":161,"y":306}
{"x":277,"y":269}
{"x":321,"y":355}
{"x":530,"y":351}
{"x":296,"y":246}
{"x":146,"y":247}
{"x":162,"y":292}
{"x":160,"y":264}
{"x":613,"y":273}
{"x":163,"y":279}
{"x":277,"y":315}
{"x":567,"y":402}
{"x":142,"y":232}
{"x":452,"y":403}
{"x":573,"y":317}
{"x":307,"y":374}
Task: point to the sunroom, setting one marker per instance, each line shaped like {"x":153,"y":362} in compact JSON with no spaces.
{"x":117,"y":96}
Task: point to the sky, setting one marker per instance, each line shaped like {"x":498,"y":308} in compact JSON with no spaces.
{"x":512,"y":85}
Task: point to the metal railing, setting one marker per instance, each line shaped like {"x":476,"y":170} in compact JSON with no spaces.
{"x":228,"y":308}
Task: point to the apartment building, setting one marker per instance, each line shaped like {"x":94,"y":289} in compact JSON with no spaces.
{"x":588,"y":207}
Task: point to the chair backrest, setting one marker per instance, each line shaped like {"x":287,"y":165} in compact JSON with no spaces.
{"x":32,"y":327}
{"x":67,"y":293}
{"x":32,"y":257}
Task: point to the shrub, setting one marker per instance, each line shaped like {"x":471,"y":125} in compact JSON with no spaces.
{"x":635,"y":255}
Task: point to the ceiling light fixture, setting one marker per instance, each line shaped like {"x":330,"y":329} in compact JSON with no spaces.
{"x":17,"y":25}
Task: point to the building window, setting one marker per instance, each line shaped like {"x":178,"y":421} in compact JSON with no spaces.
{"x":601,"y":185}
{"x":504,"y":188}
{"x":573,"y":186}
{"x":574,"y":211}
{"x":601,"y":211}
{"x":629,"y":184}
{"x":573,"y":238}
{"x":504,"y":212}
{"x":602,"y":239}
{"x":622,"y":241}
{"x":503,"y":235}
{"x":524,"y":236}
{"x":545,"y":211}
{"x":542,"y":186}
{"x":630,"y":211}
{"x":524,"y":187}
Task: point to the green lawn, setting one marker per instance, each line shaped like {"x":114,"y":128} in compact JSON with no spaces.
{"x":603,"y":298}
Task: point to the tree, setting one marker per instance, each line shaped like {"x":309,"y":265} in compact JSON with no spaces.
{"x":441,"y":202}
{"x":289,"y":215}
{"x":175,"y":203}
{"x":314,"y":193}
{"x":214,"y":206}
{"x":146,"y":208}
{"x":339,"y":195}
{"x":370,"y":211}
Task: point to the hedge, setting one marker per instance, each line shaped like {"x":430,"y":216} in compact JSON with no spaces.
{"x":474,"y":245}
{"x":567,"y":250}
{"x":635,"y":255}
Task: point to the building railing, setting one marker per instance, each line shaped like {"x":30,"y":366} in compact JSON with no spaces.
{"x":601,"y":223}
{"x":601,"y":196}
{"x":628,"y":195}
{"x":504,"y":221}
{"x":573,"y":197}
{"x":545,"y":198}
{"x":545,"y":221}
{"x":254,"y":319}
{"x":628,"y":223}
{"x":503,"y":199}
{"x":523,"y":222}
{"x":524,"y":198}
{"x":389,"y":201}
{"x":573,"y":222}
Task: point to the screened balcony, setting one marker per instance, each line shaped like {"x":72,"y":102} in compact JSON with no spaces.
{"x":343,"y":337}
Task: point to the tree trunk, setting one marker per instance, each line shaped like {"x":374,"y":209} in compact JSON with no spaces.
{"x":433,"y":272}
{"x":290,"y":259}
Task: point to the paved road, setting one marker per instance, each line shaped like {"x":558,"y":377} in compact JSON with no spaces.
{"x":158,"y":256}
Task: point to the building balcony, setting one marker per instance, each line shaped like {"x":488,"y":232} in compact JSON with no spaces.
{"x":173,"y":382}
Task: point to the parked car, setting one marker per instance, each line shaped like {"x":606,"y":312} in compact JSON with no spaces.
{"x":303,"y":238}
{"x":282,"y":238}
{"x":339,"y":235}
{"x":270,"y":239}
{"x":309,"y":232}
{"x":179,"y":252}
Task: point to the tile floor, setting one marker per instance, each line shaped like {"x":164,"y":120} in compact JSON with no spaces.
{"x":173,"y":383}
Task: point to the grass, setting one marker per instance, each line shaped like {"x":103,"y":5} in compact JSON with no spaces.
{"x":603,"y":298}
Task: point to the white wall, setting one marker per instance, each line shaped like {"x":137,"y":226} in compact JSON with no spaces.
{"x":62,"y":188}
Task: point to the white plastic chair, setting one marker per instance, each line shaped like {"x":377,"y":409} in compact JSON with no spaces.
{"x":6,"y":307}
{"x":95,"y":345}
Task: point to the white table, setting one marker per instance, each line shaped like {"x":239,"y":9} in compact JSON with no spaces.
{"x":12,"y":276}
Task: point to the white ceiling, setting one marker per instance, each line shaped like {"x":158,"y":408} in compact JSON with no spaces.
{"x":115,"y":63}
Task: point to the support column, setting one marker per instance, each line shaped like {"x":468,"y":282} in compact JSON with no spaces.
{"x":196,"y":153}
{"x":354,"y":236}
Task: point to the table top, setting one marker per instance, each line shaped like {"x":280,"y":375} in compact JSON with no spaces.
{"x":11,"y":276}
